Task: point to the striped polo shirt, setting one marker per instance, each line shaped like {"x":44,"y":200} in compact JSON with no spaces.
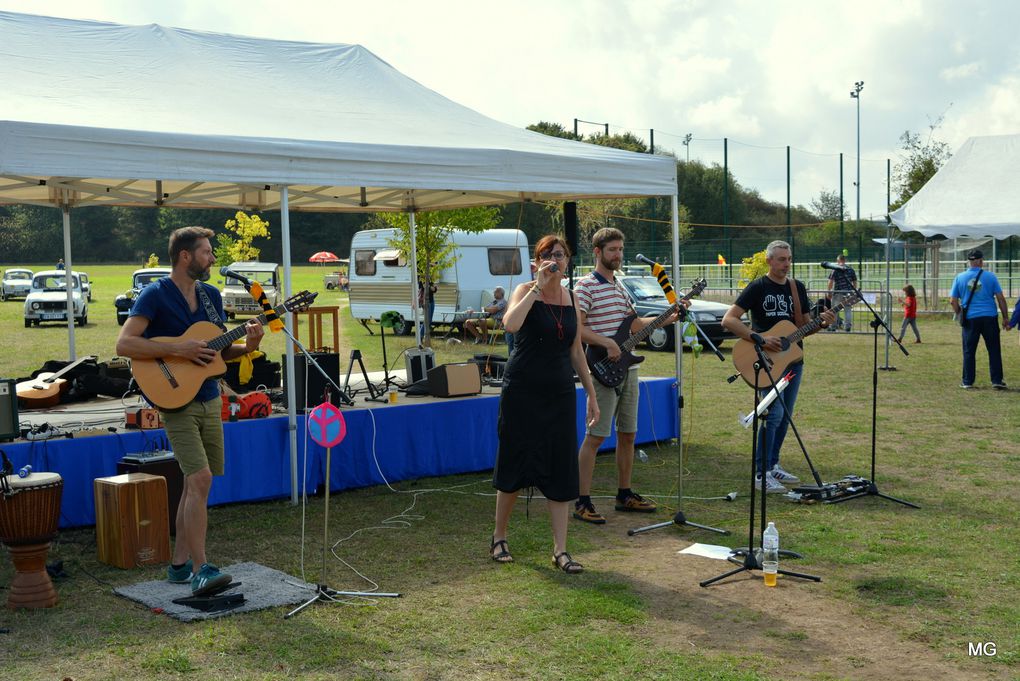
{"x":605,"y":305}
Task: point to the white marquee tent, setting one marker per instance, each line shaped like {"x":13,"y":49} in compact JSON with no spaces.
{"x":97,"y":113}
{"x":973,"y":195}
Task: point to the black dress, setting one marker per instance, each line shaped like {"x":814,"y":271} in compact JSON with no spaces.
{"x":538,"y":409}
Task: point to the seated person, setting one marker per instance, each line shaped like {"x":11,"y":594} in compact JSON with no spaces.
{"x":479,"y":328}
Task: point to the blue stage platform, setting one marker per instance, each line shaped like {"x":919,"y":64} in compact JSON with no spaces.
{"x":411,"y":440}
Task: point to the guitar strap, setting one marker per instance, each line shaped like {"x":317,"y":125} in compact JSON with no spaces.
{"x":973,"y":288}
{"x":210,"y":310}
{"x":796,"y":301}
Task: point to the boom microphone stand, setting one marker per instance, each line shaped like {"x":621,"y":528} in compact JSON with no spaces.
{"x":752,"y":560}
{"x":871,"y":487}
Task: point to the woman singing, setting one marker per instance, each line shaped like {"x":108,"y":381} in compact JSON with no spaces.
{"x":538,"y":409}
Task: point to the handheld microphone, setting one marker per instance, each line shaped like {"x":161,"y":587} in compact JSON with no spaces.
{"x":554,"y":268}
{"x":647,"y":261}
{"x":832,"y":266}
{"x":225,"y":271}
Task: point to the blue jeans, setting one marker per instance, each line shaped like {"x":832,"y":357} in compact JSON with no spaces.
{"x":773,"y":431}
{"x":509,"y":342}
{"x":432,"y":312}
{"x":974,"y":329}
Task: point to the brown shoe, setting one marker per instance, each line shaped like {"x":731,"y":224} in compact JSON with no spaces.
{"x":588,"y":514}
{"x":635,"y":503}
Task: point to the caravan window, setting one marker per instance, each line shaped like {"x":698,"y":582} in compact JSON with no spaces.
{"x":364,"y":263}
{"x":504,"y":261}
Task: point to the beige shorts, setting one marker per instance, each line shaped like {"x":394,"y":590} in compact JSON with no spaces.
{"x":196,"y":435}
{"x":623,"y":406}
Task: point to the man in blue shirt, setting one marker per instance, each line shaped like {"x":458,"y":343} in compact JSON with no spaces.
{"x":974,"y":298}
{"x":168,"y":307}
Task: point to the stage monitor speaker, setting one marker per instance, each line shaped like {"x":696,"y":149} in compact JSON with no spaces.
{"x":455,"y":380}
{"x":305,"y":371}
{"x":418,"y":363}
{"x":8,"y":409}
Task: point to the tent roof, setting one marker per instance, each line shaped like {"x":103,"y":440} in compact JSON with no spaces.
{"x":99,"y":113}
{"x":973,"y":194}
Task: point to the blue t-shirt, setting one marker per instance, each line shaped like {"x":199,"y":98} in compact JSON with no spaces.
{"x":163,"y":304}
{"x":983,"y":303}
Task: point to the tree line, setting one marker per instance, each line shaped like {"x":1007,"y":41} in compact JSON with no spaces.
{"x":34,"y":234}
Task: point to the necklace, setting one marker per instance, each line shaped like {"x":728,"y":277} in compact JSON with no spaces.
{"x":558,"y":321}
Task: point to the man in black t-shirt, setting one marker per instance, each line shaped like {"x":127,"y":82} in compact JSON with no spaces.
{"x":841,"y":285}
{"x":769,"y":300}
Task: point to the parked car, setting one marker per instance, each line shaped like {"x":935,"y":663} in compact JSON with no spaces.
{"x":237,"y":300}
{"x":47,"y":301}
{"x":17,"y":282}
{"x":648,"y":299}
{"x":139,"y":280}
{"x":86,"y":286}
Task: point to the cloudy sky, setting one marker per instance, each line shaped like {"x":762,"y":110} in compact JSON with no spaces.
{"x":762,"y":74}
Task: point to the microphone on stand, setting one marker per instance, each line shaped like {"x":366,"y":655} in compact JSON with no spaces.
{"x":226,"y":272}
{"x":832,"y":266}
{"x":647,"y":261}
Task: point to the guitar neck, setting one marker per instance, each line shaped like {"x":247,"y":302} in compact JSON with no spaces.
{"x":238,"y":332}
{"x":644,"y":333}
{"x":813,"y":325}
{"x":70,"y":366}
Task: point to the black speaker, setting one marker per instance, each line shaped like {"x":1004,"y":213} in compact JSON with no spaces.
{"x":455,"y":380}
{"x":8,"y":409}
{"x":305,"y":371}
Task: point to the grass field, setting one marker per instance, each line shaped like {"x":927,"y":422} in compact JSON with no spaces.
{"x":903,"y":593}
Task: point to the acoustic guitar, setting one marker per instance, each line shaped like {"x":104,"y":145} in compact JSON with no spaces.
{"x":45,"y":389}
{"x":172,"y":382}
{"x":744,"y":356}
{"x":611,"y":373}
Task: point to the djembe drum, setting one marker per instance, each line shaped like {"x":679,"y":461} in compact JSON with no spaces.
{"x":29,"y":515}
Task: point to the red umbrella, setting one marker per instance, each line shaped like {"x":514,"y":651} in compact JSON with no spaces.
{"x":324,"y":256}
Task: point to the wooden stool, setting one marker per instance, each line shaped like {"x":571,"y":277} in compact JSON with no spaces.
{"x":315,"y":315}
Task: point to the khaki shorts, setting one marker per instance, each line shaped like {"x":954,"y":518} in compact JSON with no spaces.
{"x":624,"y":407}
{"x":196,"y":435}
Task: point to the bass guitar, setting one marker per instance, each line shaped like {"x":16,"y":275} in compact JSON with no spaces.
{"x":171,"y":382}
{"x":611,"y":373}
{"x":45,"y":389}
{"x":744,"y":356}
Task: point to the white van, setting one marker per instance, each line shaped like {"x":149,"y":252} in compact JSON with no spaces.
{"x":237,"y":300}
{"x":380,"y":279}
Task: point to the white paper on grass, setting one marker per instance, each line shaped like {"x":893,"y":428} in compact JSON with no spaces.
{"x":708,"y":551}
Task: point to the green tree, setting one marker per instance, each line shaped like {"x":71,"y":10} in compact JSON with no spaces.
{"x":153,"y":260}
{"x":434,"y":247}
{"x":919,"y":161}
{"x":247,"y":228}
{"x":829,"y":207}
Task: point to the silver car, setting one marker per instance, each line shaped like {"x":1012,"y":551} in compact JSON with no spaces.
{"x":47,"y":301}
{"x":17,"y":282}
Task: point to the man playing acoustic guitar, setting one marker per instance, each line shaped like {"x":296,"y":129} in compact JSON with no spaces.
{"x":168,"y":307}
{"x":770,"y":300}
{"x":604,"y":307}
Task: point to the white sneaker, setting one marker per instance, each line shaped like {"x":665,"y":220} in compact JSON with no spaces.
{"x":783,"y":476}
{"x":772,"y":486}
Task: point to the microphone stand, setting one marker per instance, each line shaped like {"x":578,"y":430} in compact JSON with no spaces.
{"x":871,"y":487}
{"x":752,"y":559}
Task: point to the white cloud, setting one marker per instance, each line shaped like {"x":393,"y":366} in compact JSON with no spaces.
{"x":960,"y":71}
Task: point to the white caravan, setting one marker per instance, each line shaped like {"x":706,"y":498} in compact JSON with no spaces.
{"x":380,"y":278}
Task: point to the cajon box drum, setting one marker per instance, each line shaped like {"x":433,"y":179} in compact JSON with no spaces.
{"x":132,"y":522}
{"x":454,"y":380}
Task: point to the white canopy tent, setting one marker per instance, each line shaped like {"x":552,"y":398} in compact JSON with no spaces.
{"x":105,"y":114}
{"x":973,"y":195}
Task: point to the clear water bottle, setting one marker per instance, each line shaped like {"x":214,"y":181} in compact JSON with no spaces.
{"x":641,"y":456}
{"x":770,"y":554}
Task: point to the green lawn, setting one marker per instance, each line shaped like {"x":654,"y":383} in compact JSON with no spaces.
{"x":904,"y":591}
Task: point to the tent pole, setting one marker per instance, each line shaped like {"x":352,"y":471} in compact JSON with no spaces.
{"x":678,"y":346}
{"x":67,"y":278}
{"x":414,"y":278}
{"x":291,"y":390}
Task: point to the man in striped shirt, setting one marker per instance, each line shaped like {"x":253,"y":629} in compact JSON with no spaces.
{"x":604,"y":307}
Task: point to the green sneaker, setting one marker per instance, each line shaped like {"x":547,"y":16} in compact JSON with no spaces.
{"x":208,"y":580}
{"x":181,"y":575}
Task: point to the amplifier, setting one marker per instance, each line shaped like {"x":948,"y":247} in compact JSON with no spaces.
{"x":309,"y":385}
{"x":455,"y":380}
{"x":132,"y":526}
{"x":8,"y":409}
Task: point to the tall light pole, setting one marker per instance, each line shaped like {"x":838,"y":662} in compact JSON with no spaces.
{"x":687,"y":143}
{"x":856,"y":94}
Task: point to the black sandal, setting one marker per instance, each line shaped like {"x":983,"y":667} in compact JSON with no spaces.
{"x":570,"y":566}
{"x":504,"y":553}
